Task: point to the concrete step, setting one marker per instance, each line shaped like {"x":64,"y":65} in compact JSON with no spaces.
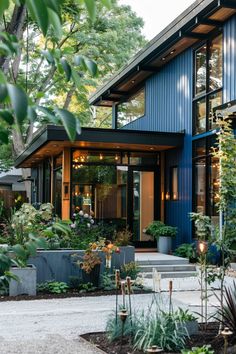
{"x":171,"y":275}
{"x":166,"y":261}
{"x":167,"y":268}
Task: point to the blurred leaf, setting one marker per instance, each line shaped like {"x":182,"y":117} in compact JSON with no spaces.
{"x":91,"y":7}
{"x":79,"y":60}
{"x":31,"y":248}
{"x":4,"y":4}
{"x":18,"y":101}
{"x":4,"y":136}
{"x":54,"y":5}
{"x":31,"y":114}
{"x":48,"y":56}
{"x":63,"y":228}
{"x":3,"y":79}
{"x":39,"y":12}
{"x":3,"y":92}
{"x":106,"y":3}
{"x":69,"y":123}
{"x":54,"y":20}
{"x":66,"y":68}
{"x":19,"y":251}
{"x":91,"y":66}
{"x":7,"y":116}
{"x":76,"y":78}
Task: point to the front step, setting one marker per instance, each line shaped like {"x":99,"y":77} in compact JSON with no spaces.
{"x":156,"y":262}
{"x":171,"y":275}
{"x":167,"y":268}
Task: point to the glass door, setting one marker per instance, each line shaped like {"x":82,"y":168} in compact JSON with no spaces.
{"x":144,"y":204}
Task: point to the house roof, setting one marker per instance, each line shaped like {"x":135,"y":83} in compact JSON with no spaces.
{"x":196,"y":23}
{"x":8,"y":180}
{"x":51,"y":140}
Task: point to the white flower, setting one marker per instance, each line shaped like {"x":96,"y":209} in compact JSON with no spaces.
{"x":74,"y":215}
{"x":81,"y":213}
{"x":86,"y":216}
{"x":73,"y":226}
{"x":92,"y":221}
{"x":89,"y":225}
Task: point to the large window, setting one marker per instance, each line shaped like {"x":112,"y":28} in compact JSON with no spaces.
{"x":205,"y":178}
{"x":132,"y":109}
{"x":207,"y":84}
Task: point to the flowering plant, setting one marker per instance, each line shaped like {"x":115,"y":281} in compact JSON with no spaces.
{"x":90,"y":260}
{"x":107,"y":247}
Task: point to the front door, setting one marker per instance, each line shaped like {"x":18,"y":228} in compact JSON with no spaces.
{"x":144,"y":202}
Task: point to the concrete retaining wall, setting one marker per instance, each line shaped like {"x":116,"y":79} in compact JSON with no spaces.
{"x":59,"y":264}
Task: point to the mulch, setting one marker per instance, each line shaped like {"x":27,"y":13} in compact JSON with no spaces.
{"x":206,"y":336}
{"x":44,"y":296}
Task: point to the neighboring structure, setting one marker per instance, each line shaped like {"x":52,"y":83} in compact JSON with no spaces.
{"x":10,"y":187}
{"x":155,"y":162}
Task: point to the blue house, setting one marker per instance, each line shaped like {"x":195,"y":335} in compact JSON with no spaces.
{"x":155,"y":161}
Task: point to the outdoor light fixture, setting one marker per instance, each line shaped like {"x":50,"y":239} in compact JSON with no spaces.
{"x":154,"y":349}
{"x":101,"y":156}
{"x":116,"y":157}
{"x":167,"y":195}
{"x":202,"y":247}
{"x":225,"y":334}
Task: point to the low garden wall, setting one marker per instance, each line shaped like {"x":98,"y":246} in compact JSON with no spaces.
{"x":59,"y":264}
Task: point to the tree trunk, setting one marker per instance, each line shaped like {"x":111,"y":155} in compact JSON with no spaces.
{"x":15,"y":26}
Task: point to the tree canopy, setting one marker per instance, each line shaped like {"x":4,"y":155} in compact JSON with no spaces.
{"x":53,"y":54}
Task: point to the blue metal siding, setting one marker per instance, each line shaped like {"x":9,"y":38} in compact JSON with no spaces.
{"x":229,"y":92}
{"x":169,"y":109}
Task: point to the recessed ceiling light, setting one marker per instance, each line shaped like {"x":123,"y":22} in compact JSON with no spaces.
{"x":133,"y":81}
{"x":118,"y":147}
{"x":172,"y":52}
{"x":163,"y":59}
{"x":151,"y":148}
{"x":54,"y":145}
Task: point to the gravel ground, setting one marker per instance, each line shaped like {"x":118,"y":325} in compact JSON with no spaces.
{"x":53,"y":326}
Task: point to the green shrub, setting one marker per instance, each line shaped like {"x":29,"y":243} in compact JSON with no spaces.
{"x":123,"y":237}
{"x":206,"y":349}
{"x":74,"y":282}
{"x":160,"y":329}
{"x":186,"y":250}
{"x":114,"y":328}
{"x":183,"y":315}
{"x":86,"y":287}
{"x":129,"y":270}
{"x":53,"y":287}
{"x":108,"y":281}
{"x":158,"y":228}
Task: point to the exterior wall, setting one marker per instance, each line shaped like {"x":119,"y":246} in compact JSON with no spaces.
{"x":229,"y":88}
{"x":169,"y":109}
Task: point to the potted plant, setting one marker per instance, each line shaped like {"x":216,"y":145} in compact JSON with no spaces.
{"x":163,"y":233}
{"x":186,"y":320}
{"x":25,"y":274}
{"x":90,"y":266}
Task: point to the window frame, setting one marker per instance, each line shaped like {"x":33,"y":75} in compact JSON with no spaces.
{"x":142,"y":88}
{"x":208,"y":92}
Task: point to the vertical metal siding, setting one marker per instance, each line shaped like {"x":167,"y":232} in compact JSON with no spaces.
{"x":169,"y":109}
{"x":229,"y":81}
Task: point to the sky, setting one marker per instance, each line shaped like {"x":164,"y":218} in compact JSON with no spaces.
{"x":157,"y":14}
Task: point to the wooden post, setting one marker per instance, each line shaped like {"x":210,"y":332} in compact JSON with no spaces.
{"x":66,"y":166}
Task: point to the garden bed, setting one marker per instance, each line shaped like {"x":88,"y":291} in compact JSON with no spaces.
{"x":209,"y":336}
{"x":43,"y":296}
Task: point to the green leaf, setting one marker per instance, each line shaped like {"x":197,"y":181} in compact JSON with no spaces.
{"x":18,"y":101}
{"x":4,"y":4}
{"x":3,"y":92}
{"x":3,"y":79}
{"x":63,"y":228}
{"x":31,"y":248}
{"x":91,"y":8}
{"x":4,"y":136}
{"x":106,"y":3}
{"x":19,"y":251}
{"x":49,"y":114}
{"x":66,"y":68}
{"x":7,"y":116}
{"x":53,"y":4}
{"x":69,"y":122}
{"x":76,"y":78}
{"x":54,"y":20}
{"x":39,"y":12}
{"x":31,"y":114}
{"x":91,"y":66}
{"x":48,"y":56}
{"x":79,"y":60}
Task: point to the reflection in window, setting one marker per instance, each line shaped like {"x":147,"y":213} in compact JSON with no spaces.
{"x":200,"y":185}
{"x":174,"y":183}
{"x":100,"y":190}
{"x":200,"y":70}
{"x":214,"y":100}
{"x":215,"y":64}
{"x":132,"y":109}
{"x":200,"y":125}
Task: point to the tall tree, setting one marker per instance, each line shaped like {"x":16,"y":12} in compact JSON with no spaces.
{"x":58,"y":68}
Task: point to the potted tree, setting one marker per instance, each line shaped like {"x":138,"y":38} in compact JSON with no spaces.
{"x":163,"y":234}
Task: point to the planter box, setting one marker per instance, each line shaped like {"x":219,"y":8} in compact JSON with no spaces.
{"x":164,"y":244}
{"x":190,"y":326}
{"x":26,"y":285}
{"x":58,"y":264}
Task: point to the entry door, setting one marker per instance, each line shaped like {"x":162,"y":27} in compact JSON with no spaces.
{"x":144,"y":203}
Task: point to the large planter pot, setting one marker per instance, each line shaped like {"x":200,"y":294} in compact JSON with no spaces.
{"x":92,"y":277}
{"x":164,"y":244}
{"x":26,"y":284}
